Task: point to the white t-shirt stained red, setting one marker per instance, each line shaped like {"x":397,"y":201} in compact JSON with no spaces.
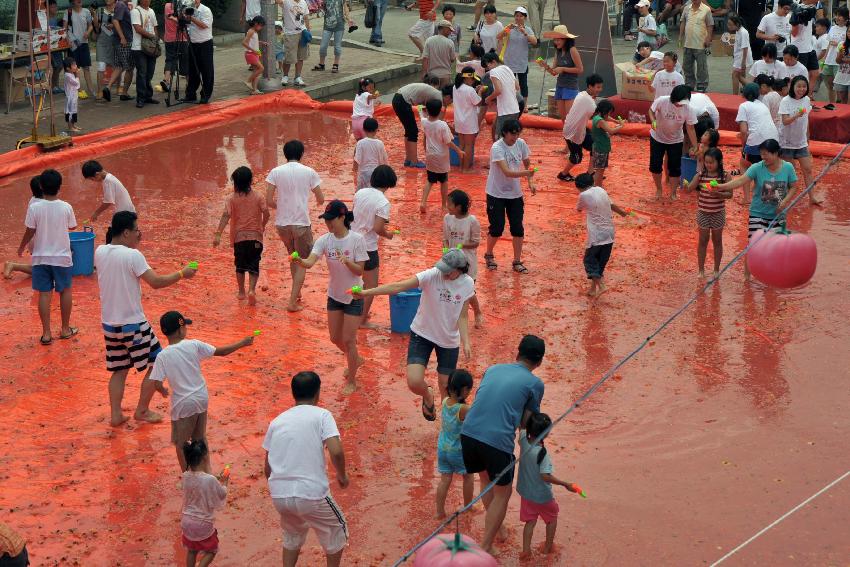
{"x":440,"y":307}
{"x":600,"y":223}
{"x":294,"y":183}
{"x":368,"y":204}
{"x":180,"y":364}
{"x":575,"y":125}
{"x":463,"y":231}
{"x":51,"y":221}
{"x":669,"y":119}
{"x":437,"y":138}
{"x":466,"y":101}
{"x":114,"y":193}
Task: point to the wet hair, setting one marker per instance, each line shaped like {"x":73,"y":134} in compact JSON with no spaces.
{"x":672,"y":55}
{"x":491,"y":57}
{"x":370,"y":125}
{"x":458,"y":380}
{"x":823,"y":22}
{"x":780,"y":84}
{"x":121,"y":221}
{"x":680,"y":93}
{"x":447,"y":91}
{"x":643,"y":44}
{"x":434,"y":107}
{"x":737,"y":20}
{"x":460,"y":76}
{"x":593,"y":79}
{"x":242,"y":177}
{"x":67,"y":63}
{"x":584,"y":180}
{"x":511,"y":126}
{"x":569,"y":43}
{"x":433,"y":81}
{"x":50,"y":181}
{"x":715,"y":153}
{"x":35,"y":187}
{"x":771,"y":146}
{"x":764,"y":79}
{"x":490,"y":9}
{"x":476,"y":50}
{"x":713,"y":137}
{"x":536,"y":425}
{"x":769,"y":50}
{"x":750,"y":92}
{"x":383,"y":177}
{"x":257,"y":20}
{"x":91,"y":168}
{"x":293,"y":150}
{"x":194,"y":452}
{"x":305,"y":386}
{"x":449,"y":8}
{"x":363,"y":83}
{"x":531,"y":348}
{"x":794,"y":82}
{"x":604,"y":108}
{"x":460,"y":199}
{"x":792,"y":51}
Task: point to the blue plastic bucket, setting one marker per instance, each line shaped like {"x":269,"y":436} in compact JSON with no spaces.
{"x":454,"y":159}
{"x":689,"y":169}
{"x":82,"y":252}
{"x":403,"y":307}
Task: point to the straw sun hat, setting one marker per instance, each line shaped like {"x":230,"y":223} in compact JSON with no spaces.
{"x":559,"y":32}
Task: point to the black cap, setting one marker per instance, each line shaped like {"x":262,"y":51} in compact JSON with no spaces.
{"x":171,"y":322}
{"x":532,"y":348}
{"x":334,"y":210}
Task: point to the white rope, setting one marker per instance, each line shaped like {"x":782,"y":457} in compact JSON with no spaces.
{"x":781,"y":518}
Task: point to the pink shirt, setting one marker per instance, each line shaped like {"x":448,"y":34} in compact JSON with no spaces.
{"x":170,"y":25}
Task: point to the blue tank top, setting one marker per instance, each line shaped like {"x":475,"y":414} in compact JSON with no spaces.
{"x":449,"y":440}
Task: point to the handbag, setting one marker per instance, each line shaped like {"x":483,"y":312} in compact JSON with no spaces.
{"x":150,"y":47}
{"x":371,"y":16}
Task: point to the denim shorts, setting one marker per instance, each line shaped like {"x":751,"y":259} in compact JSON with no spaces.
{"x":419,"y":352}
{"x":450,"y":463}
{"x":563,"y":93}
{"x":48,"y":278}
{"x":789,"y":154}
{"x":354,"y":308}
{"x":373,"y":262}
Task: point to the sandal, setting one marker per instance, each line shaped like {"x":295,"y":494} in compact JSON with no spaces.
{"x":490,"y":261}
{"x":519,"y":268}
{"x":429,"y":412}
{"x":335,"y":68}
{"x":47,"y":342}
{"x":319,"y":67}
{"x":73,"y":332}
{"x":566,"y":177}
{"x":830,"y":106}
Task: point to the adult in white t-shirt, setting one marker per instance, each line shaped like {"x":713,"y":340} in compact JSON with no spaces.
{"x":575,"y":125}
{"x":297,"y":473}
{"x":505,"y":88}
{"x":130,"y":341}
{"x":114,"y":192}
{"x":702,"y":105}
{"x":755,"y":124}
{"x":293,"y":182}
{"x":441,"y":323}
{"x":371,"y":219}
{"x":143,"y":19}
{"x":487,"y":32}
{"x":47,"y":224}
{"x":251,"y":9}
{"x":776,"y":27}
{"x":786,"y":71}
{"x":668,"y":114}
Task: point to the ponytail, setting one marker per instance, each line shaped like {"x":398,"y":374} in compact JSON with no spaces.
{"x":348,"y":219}
{"x":363,"y":83}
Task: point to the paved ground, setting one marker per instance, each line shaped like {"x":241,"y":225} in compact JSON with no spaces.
{"x":391,"y":66}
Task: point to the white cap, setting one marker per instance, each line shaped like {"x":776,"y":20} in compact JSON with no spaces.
{"x":643,"y":3}
{"x":521,"y":9}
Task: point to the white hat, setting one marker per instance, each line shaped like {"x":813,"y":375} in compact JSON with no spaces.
{"x":643,"y":3}
{"x":521,"y":10}
{"x":278,"y":23}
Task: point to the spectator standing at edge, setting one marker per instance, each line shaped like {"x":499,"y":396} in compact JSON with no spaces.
{"x":201,"y":67}
{"x":697,"y":29}
{"x":80,"y":24}
{"x":506,"y":398}
{"x":518,"y":36}
{"x":424,"y":26}
{"x":176,"y":50}
{"x":377,"y":37}
{"x":296,"y":18}
{"x":438,"y":56}
{"x":144,"y":26}
{"x":123,"y":37}
{"x":536,"y":15}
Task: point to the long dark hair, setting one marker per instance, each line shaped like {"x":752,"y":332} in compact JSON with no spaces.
{"x":242,"y":178}
{"x":718,"y":157}
{"x":363,"y":83}
{"x":569,"y":43}
{"x":458,"y":380}
{"x":537,"y":424}
{"x":460,"y":76}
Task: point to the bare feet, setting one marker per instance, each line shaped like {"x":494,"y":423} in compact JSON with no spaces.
{"x":479,"y":320}
{"x":716,"y":275}
{"x":360,"y":362}
{"x":422,"y":209}
{"x":441,"y":514}
{"x":349,"y":388}
{"x":814,"y":200}
{"x":294,"y":308}
{"x":120,"y":421}
{"x":148,"y":416}
{"x":7,"y":270}
{"x":525,"y":556}
{"x":252,"y":298}
{"x":369,"y":325}
{"x":240,"y":295}
{"x":701,"y":274}
{"x":659,"y":196}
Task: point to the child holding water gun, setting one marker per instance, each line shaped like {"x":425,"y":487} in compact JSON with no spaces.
{"x":364,"y":106}
{"x":203,"y":494}
{"x":462,"y":229}
{"x":711,"y":206}
{"x":601,"y":136}
{"x":449,"y":454}
{"x":534,"y":484}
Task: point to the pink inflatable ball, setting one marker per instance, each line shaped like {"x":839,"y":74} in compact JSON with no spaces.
{"x":453,"y":550}
{"x":783,"y":259}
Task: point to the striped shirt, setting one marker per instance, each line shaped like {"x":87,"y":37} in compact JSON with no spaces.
{"x":708,"y":201}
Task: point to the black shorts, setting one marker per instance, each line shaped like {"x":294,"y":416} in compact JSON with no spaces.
{"x":177,"y":57}
{"x":576,"y":149}
{"x":373,"y":262}
{"x":657,"y":150}
{"x":354,"y":308}
{"x":82,"y":56}
{"x":419,"y":351}
{"x":246,"y":256}
{"x":405,"y":115}
{"x":437,"y":177}
{"x":498,"y":208}
{"x":810,"y":60}
{"x":481,"y":457}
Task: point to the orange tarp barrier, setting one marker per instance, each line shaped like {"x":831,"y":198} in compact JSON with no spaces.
{"x":141,"y":132}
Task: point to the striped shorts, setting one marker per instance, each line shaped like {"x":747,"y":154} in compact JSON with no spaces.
{"x":129,"y":346}
{"x":757,"y":224}
{"x":715,"y":220}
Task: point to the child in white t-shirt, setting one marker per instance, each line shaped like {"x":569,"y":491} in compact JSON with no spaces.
{"x":742,"y":56}
{"x":466,"y":100}
{"x":461,"y":229}
{"x":364,"y":106}
{"x":11,"y":266}
{"x":600,"y":230}
{"x":668,"y":77}
{"x":438,"y":140}
{"x":180,"y":364}
{"x":793,"y":67}
{"x":345,"y":252}
{"x":767,"y":65}
{"x":203,"y":494}
{"x":369,"y":153}
{"x":821,"y":49}
{"x":841,"y":84}
{"x":647,"y":28}
{"x":114,"y":192}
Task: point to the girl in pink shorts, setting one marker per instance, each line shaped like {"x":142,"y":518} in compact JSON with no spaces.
{"x":364,"y":106}
{"x":251,"y":42}
{"x":203,"y":494}
{"x":534,"y":485}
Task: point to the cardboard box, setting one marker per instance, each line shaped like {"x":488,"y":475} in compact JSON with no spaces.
{"x":723,"y":45}
{"x":635,"y":83}
{"x":553,"y":106}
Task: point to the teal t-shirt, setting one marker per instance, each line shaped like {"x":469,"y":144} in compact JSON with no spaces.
{"x":770,"y":188}
{"x":601,"y":139}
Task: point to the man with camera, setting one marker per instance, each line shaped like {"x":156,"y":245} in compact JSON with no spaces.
{"x":802,"y":36}
{"x":201,"y":70}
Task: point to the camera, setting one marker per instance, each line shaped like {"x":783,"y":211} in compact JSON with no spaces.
{"x":802,"y":15}
{"x":185,"y":9}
